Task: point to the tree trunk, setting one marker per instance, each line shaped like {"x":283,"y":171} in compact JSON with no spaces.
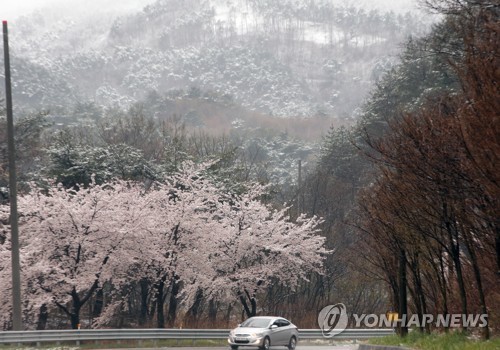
{"x":403,"y":302}
{"x":243,"y":301}
{"x":75,"y":319}
{"x":193,"y":312}
{"x":172,"y":305}
{"x":143,"y":312}
{"x":252,"y":310}
{"x":77,"y":304}
{"x":455,"y":249}
{"x":42,"y":318}
{"x":454,"y":245}
{"x":228,"y":314}
{"x":443,"y":288}
{"x":98,"y":303}
{"x":497,"y":247}
{"x":160,"y":315}
{"x":479,"y":282}
{"x":420,"y":295}
{"x":212,"y":311}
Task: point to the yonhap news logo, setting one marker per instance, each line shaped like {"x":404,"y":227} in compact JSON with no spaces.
{"x":332,"y":320}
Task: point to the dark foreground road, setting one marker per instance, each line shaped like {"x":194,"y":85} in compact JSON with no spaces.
{"x":299,"y":347}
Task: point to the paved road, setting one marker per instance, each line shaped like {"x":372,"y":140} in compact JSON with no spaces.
{"x":299,"y":347}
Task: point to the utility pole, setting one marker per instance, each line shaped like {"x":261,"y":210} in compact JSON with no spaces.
{"x":16,"y":266}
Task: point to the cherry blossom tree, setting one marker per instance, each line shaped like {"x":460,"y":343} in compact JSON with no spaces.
{"x":186,"y":234}
{"x":72,"y":241}
{"x":252,"y":246}
{"x":178,"y":204}
{"x":230,"y":247}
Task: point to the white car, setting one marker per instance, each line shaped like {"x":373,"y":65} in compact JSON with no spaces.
{"x":264,"y":331}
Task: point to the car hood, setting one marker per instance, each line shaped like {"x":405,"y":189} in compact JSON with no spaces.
{"x":249,"y":330}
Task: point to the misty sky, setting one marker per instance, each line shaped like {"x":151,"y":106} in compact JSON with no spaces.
{"x":10,"y":9}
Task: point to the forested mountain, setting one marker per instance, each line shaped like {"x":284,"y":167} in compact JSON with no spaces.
{"x":215,"y":67}
{"x":279,"y":58}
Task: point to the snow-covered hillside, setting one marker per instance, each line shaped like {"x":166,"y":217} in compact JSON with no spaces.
{"x":287,"y":58}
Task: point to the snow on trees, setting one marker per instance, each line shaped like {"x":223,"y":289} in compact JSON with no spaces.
{"x":185,"y":232}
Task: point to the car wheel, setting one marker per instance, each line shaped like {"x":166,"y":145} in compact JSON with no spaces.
{"x":266,"y":344}
{"x":234,"y":347}
{"x":292,"y":343}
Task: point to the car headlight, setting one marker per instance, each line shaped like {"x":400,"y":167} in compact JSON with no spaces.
{"x":231,"y":333}
{"x":257,"y":335}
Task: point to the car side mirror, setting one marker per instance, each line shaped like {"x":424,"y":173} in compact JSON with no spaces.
{"x":273,"y":326}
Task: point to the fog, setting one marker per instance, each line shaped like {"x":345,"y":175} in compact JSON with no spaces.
{"x":280,"y":58}
{"x":10,"y":10}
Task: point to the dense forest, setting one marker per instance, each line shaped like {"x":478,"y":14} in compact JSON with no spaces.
{"x":172,"y":173}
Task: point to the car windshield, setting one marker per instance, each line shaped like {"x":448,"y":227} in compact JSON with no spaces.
{"x":256,"y":323}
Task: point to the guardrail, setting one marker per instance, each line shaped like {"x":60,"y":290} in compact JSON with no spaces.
{"x":313,"y":334}
{"x":78,"y":336}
